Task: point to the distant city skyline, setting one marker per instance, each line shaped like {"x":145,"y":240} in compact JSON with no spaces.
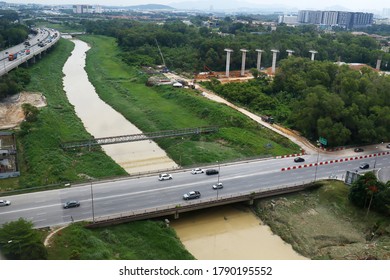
{"x":356,"y":5}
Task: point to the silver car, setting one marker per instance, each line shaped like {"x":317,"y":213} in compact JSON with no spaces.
{"x":5,"y":202}
{"x":217,"y":186}
{"x":191,"y":195}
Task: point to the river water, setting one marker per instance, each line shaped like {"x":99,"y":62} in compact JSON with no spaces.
{"x":230,"y":233}
{"x":101,"y":120}
{"x":217,"y":233}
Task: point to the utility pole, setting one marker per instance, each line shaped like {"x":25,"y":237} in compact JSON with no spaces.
{"x":93,"y":210}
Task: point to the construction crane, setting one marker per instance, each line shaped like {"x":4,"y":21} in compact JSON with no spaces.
{"x":165,"y":69}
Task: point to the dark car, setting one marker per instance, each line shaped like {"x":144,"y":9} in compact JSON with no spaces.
{"x":71,"y":204}
{"x":211,"y":171}
{"x":191,"y":195}
{"x":364,"y":166}
{"x":299,"y":159}
{"x":359,"y":150}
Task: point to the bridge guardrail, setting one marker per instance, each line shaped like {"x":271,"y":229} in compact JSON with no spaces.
{"x":196,"y":204}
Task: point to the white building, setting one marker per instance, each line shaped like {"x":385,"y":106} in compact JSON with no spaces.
{"x":87,"y":9}
{"x":288,"y":19}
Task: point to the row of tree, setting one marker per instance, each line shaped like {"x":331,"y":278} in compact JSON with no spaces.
{"x":11,"y":32}
{"x":189,"y":48}
{"x":13,"y":82}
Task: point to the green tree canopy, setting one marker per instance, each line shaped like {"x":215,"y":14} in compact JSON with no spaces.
{"x":19,"y":241}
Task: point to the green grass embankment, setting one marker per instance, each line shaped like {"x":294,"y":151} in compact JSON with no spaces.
{"x":143,"y":240}
{"x":166,"y":108}
{"x":41,"y":159}
{"x":323,"y":224}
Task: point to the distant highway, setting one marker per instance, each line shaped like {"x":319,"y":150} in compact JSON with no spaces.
{"x":137,"y":194}
{"x":44,"y":35}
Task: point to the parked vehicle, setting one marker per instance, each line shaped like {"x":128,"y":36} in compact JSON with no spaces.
{"x":268,"y":119}
{"x":71,"y":204}
{"x":191,"y":195}
{"x":5,"y":202}
{"x":358,"y":150}
{"x":211,"y":171}
{"x":164,"y":176}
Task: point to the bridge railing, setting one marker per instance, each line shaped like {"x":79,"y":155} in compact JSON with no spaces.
{"x":138,"y":137}
{"x":197,"y":204}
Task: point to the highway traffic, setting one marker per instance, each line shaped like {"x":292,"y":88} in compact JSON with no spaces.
{"x":43,"y":40}
{"x":137,"y":194}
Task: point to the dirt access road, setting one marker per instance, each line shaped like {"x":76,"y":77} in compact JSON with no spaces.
{"x":290,"y":134}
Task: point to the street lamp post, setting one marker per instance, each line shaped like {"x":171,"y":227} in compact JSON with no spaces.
{"x":93,"y":209}
{"x":376,"y":156}
{"x":219,"y":169}
{"x":318,"y":155}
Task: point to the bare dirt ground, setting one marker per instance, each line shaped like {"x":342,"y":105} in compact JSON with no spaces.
{"x":11,"y":112}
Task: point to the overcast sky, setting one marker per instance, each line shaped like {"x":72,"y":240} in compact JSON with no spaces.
{"x":301,"y":4}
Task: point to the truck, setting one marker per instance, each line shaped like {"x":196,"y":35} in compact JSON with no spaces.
{"x":268,"y":119}
{"x":12,"y":56}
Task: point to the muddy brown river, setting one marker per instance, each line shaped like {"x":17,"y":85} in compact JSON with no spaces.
{"x":100,"y":120}
{"x":230,"y":233}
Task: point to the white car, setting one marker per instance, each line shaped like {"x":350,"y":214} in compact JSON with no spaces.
{"x":164,"y":176}
{"x":5,"y":203}
{"x":197,"y":171}
{"x":217,"y":186}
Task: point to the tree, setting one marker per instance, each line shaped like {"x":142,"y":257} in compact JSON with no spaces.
{"x":368,"y":192}
{"x":254,"y":72}
{"x":19,"y":241}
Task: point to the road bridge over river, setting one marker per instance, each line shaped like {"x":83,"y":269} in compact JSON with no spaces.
{"x":144,"y":196}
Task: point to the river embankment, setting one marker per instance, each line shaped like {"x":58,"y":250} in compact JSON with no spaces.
{"x":324,"y":224}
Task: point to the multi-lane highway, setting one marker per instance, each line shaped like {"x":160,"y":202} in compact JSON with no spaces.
{"x":145,"y":193}
{"x":43,"y":40}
